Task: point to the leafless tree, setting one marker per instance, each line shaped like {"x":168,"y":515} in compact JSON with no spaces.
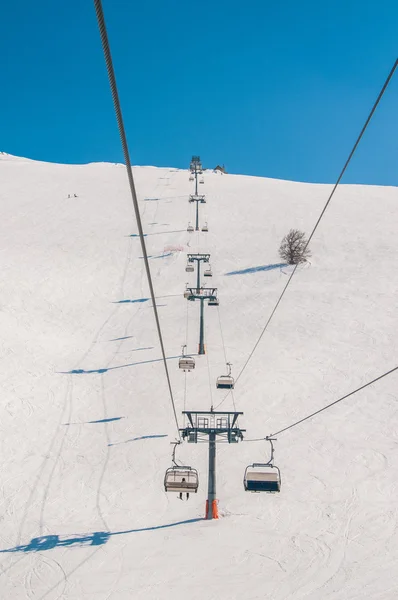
{"x":293,"y":248}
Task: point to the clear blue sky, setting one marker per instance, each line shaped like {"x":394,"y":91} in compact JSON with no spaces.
{"x":275,"y":89}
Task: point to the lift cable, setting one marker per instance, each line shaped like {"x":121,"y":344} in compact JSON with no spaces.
{"x":123,"y":138}
{"x":209,"y":374}
{"x":225,"y":358}
{"x":322,"y":213}
{"x":362,"y":387}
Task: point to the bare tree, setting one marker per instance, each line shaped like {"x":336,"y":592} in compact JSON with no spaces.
{"x":293,"y":248}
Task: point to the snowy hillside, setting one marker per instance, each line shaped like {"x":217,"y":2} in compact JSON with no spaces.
{"x":86,"y":420}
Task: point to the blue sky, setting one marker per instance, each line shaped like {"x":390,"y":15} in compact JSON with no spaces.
{"x":275,"y":89}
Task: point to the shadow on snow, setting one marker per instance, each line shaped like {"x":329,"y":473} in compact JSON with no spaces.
{"x":137,"y":235}
{"x":98,"y":538}
{"x":142,"y":437}
{"x":100,"y":371}
{"x":256,"y":269}
{"x":129,"y":302}
{"x":93,"y":422}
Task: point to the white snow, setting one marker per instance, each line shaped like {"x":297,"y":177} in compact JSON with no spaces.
{"x":67,"y":263}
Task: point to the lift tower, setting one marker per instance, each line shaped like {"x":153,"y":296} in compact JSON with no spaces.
{"x":198,"y":258}
{"x":199,"y":199}
{"x":208,"y":425}
{"x":203,"y":295}
{"x":196,"y":169}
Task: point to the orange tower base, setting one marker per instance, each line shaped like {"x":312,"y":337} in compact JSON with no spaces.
{"x":214,"y":510}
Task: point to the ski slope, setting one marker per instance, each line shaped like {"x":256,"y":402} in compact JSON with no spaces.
{"x":86,"y":419}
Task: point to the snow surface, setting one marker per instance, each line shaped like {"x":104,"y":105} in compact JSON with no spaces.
{"x":86,"y":421}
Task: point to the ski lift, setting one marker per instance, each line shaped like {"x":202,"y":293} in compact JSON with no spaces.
{"x":189,"y":268}
{"x":191,"y":177}
{"x":263,"y":477}
{"x":187,"y":293}
{"x":226,"y":382}
{"x":180,"y":478}
{"x":190,"y":228}
{"x":186,"y":363}
{"x":201,"y":180}
{"x":213,"y":302}
{"x":205,"y":227}
{"x":207,"y":272}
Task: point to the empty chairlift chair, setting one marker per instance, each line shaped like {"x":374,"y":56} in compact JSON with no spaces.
{"x":226,"y":382}
{"x":190,"y":228}
{"x":186,"y":363}
{"x":207,"y":272}
{"x":213,"y":302}
{"x":189,"y":268}
{"x":263,"y":477}
{"x":205,"y":228}
{"x":191,"y":177}
{"x":201,"y":180}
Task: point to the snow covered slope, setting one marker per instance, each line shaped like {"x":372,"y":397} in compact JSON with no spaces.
{"x":86,"y":421}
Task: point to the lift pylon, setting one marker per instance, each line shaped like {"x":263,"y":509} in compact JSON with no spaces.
{"x":206,"y":426}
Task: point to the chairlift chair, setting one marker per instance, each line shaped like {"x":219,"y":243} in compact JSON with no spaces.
{"x":191,"y":177}
{"x":187,"y":293}
{"x":180,"y":478}
{"x":201,"y":180}
{"x":213,"y":302}
{"x":263,"y":477}
{"x":189,"y":268}
{"x":207,"y":272}
{"x":226,"y":382}
{"x":186,"y":363}
{"x":190,"y":228}
{"x":260,"y":477}
{"x":205,"y":227}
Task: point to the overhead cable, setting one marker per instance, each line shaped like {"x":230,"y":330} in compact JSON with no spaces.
{"x":123,"y":138}
{"x":322,"y":213}
{"x":362,"y":387}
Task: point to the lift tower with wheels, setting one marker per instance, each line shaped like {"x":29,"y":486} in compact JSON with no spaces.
{"x":198,"y":258}
{"x":199,"y":199}
{"x":203,"y":295}
{"x":206,"y":426}
{"x":196,"y":169}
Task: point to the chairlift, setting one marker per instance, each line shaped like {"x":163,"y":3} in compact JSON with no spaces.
{"x":191,"y":177}
{"x":186,"y":363}
{"x":189,"y":268}
{"x":213,"y":302}
{"x":207,"y":272}
{"x":205,"y":227}
{"x":263,"y":477}
{"x":226,"y":382}
{"x":201,"y":180}
{"x":190,"y":228}
{"x":180,"y":479}
{"x":187,"y":293}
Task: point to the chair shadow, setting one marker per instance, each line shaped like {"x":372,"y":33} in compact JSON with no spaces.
{"x":105,"y":370}
{"x":257,"y":269}
{"x":94,"y":422}
{"x":141,"y":437}
{"x":97,"y":538}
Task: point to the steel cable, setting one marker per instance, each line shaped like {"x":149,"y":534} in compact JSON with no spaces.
{"x":322,"y":213}
{"x":123,"y":138}
{"x":362,"y":387}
